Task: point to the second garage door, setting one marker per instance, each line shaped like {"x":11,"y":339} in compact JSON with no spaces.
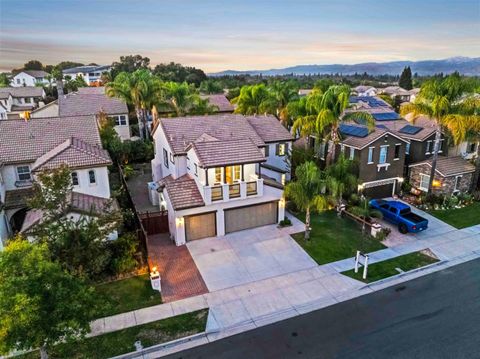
{"x":249,"y":217}
{"x":200,"y":226}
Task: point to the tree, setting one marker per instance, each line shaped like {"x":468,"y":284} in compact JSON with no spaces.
{"x":67,"y":65}
{"x":211,"y":86}
{"x":40,"y":303}
{"x":255,"y":99}
{"x":284,"y":93}
{"x":306,"y":191}
{"x":72,"y":85}
{"x":78,"y":244}
{"x":33,"y":65}
{"x":178,"y":73}
{"x":325,"y":113}
{"x":130,"y":63}
{"x":4,"y":80}
{"x":405,"y":81}
{"x":139,"y":89}
{"x":182,"y":99}
{"x":443,"y":100}
{"x":341,"y":179}
{"x":363,"y":210}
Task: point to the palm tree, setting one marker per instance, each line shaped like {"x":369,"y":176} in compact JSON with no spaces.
{"x":183,"y":99}
{"x":341,"y":179}
{"x":326,"y":111}
{"x":443,"y":100}
{"x":306,"y":191}
{"x":364,"y":211}
{"x":284,"y":93}
{"x":255,"y":99}
{"x":140,"y":89}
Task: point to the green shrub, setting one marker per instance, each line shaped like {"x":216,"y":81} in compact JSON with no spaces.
{"x":123,"y":253}
{"x":285,"y":222}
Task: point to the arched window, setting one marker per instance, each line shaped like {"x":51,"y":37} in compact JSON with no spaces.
{"x":91,"y":177}
{"x":75,"y":178}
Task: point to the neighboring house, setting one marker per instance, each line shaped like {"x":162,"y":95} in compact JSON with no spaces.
{"x":365,"y":90}
{"x":220,"y":101}
{"x":413,"y":94}
{"x":46,"y":143}
{"x":304,"y":92}
{"x":452,"y":175}
{"x":89,"y":101}
{"x":91,"y":73}
{"x":397,"y":93}
{"x":468,"y":149}
{"x":211,"y":176}
{"x":17,"y":100}
{"x":30,"y":78}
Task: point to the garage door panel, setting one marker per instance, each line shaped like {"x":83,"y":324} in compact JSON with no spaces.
{"x":379,"y":191}
{"x":200,"y":226}
{"x":250,"y":217}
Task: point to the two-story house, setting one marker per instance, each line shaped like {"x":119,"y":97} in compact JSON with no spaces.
{"x":210,"y":174}
{"x":89,"y":101}
{"x":17,"y":100}
{"x":30,"y":78}
{"x":363,"y":90}
{"x":92,"y":74}
{"x":42,"y":144}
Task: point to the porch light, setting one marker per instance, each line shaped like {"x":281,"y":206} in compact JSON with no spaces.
{"x":179,"y":221}
{"x":361,"y":187}
{"x":400,"y":179}
{"x":281,"y":203}
{"x":436,"y":183}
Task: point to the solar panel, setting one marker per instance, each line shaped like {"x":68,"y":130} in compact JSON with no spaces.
{"x":410,"y":130}
{"x":382,"y":126}
{"x":372,"y":101}
{"x":355,"y":131}
{"x":385,"y":116}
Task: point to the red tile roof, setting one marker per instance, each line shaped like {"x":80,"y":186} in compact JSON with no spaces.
{"x":90,"y":103}
{"x":182,"y":192}
{"x":449,"y":166}
{"x":220,"y":101}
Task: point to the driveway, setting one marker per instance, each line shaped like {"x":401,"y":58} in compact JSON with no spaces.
{"x":249,"y":256}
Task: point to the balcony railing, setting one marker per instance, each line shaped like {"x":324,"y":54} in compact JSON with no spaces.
{"x":217,"y":193}
{"x":251,"y":188}
{"x":234,"y":190}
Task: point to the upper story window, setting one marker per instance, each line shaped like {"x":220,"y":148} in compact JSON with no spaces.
{"x":196,"y":170}
{"x":370,"y":154}
{"x":28,"y":100}
{"x":172,"y":159}
{"x":18,"y":81}
{"x":398,"y":146}
{"x":75,"y":178}
{"x":188,"y":163}
{"x":383,"y":155}
{"x":407,"y":148}
{"x":281,"y":149}
{"x":267,"y":150}
{"x":23,"y":173}
{"x":352,"y":153}
{"x":91,"y":177}
{"x":471,"y":147}
{"x":218,"y":174}
{"x":429,"y":148}
{"x":237,"y":173}
{"x":165,"y":157}
{"x":440,"y":145}
{"x":121,"y":120}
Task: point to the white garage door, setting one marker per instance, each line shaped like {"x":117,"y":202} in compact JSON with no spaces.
{"x":200,"y":226}
{"x":252,"y":216}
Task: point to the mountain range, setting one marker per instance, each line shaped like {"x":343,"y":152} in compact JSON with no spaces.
{"x":465,"y":65}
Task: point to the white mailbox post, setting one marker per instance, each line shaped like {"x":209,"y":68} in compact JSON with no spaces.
{"x":363,"y":256}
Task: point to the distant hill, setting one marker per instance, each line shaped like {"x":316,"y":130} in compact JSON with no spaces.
{"x":465,"y":65}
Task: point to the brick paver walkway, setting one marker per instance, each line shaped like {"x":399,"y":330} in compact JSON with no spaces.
{"x":179,"y":274}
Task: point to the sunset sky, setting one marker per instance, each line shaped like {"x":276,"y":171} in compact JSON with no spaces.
{"x":241,"y":35}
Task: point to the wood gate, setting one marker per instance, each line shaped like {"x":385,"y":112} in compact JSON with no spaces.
{"x":154,"y":222}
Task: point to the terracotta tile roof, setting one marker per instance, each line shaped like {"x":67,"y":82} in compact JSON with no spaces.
{"x":92,"y":90}
{"x":362,"y":142}
{"x":23,"y":91}
{"x":17,"y":198}
{"x":182,"y":131}
{"x":219,"y":100}
{"x":449,"y":166}
{"x":269,"y":128}
{"x":74,"y":153}
{"x":79,"y":203}
{"x":182,"y":192}
{"x":216,"y":153}
{"x":23,"y":141}
{"x":428,"y":128}
{"x":80,"y":104}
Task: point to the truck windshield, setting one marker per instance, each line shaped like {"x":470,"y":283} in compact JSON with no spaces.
{"x":405,"y":211}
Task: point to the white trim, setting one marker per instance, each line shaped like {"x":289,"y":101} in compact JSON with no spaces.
{"x":372,"y":148}
{"x":377,"y":138}
{"x":420,"y":183}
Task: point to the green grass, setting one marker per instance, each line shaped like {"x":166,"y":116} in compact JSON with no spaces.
{"x":122,"y":341}
{"x":460,"y":217}
{"x":334,"y":238}
{"x":127,"y":294}
{"x":385,"y":269}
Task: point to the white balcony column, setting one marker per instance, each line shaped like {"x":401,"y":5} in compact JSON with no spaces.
{"x":281,"y":209}
{"x":226,"y":191}
{"x":220,"y":222}
{"x":260,"y":187}
{"x":207,"y":195}
{"x":243,"y":189}
{"x":180,"y":231}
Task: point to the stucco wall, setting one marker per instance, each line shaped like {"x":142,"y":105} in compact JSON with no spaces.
{"x":100,"y":189}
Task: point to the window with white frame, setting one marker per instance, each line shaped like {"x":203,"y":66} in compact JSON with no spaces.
{"x":23,"y":173}
{"x":188,"y":163}
{"x":429,"y":147}
{"x":398,"y":146}
{"x":342,"y":148}
{"x":165,"y":157}
{"x":237,"y":173}
{"x":383,"y":155}
{"x":281,"y":149}
{"x":267,"y":150}
{"x":352,"y":153}
{"x":407,"y":148}
{"x":196,"y":169}
{"x":74,"y":178}
{"x":424,"y":182}
{"x":370,"y":154}
{"x":457,"y":183}
{"x":121,"y":120}
{"x":218,"y":174}
{"x":91,"y":177}
{"x":440,"y":145}
{"x":172,"y":159}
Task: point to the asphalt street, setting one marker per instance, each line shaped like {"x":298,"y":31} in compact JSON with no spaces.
{"x":435,"y":316}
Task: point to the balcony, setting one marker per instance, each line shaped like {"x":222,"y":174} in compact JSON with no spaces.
{"x":234,"y":191}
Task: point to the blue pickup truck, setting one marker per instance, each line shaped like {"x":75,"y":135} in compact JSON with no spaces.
{"x":401,"y":215}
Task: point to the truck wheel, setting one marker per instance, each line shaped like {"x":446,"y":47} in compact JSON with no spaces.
{"x":402,"y":228}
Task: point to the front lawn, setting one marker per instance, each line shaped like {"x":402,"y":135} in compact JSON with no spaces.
{"x":333,"y":238}
{"x":128,"y":294}
{"x":122,"y":341}
{"x":388,"y":268}
{"x":460,"y":217}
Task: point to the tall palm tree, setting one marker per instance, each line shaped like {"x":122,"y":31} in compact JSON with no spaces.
{"x":255,"y":99}
{"x":341,"y":179}
{"x":306,"y":191}
{"x":325,"y":114}
{"x":443,"y":100}
{"x":140,"y":89}
{"x":183,"y":99}
{"x":284,"y":93}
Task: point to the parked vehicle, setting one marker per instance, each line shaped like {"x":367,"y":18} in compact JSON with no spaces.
{"x":401,"y":215}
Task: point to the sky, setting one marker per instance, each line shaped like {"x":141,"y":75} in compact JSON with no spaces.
{"x":218,"y":35}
